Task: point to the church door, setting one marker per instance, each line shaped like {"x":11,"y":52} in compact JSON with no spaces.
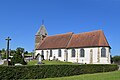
{"x":91,"y":56}
{"x":66,"y":55}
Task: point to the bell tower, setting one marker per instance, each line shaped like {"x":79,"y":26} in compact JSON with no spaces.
{"x":40,"y":35}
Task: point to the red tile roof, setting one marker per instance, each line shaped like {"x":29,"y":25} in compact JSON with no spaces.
{"x":88,"y":39}
{"x":70,"y":40}
{"x":56,"y":41}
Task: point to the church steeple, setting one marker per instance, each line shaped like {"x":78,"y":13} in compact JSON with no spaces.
{"x":40,"y":35}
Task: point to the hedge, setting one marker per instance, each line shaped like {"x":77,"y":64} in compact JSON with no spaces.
{"x":50,"y":71}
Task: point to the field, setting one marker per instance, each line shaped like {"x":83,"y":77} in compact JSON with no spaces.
{"x":98,"y":76}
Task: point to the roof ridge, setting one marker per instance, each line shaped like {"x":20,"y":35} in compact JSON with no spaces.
{"x":61,"y":34}
{"x":89,"y":32}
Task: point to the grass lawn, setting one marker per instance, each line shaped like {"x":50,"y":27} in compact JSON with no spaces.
{"x":46,"y":62}
{"x":98,"y":76}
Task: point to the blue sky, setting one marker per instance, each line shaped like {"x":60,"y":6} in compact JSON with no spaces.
{"x":20,"y":19}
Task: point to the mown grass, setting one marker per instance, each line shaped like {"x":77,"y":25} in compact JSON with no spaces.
{"x":97,"y":76}
{"x":46,"y":62}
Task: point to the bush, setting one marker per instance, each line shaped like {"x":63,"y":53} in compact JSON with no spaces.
{"x":116,"y":60}
{"x":18,"y":58}
{"x":49,"y":71}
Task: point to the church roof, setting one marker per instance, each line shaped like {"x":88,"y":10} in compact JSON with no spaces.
{"x":70,"y":40}
{"x":56,"y":41}
{"x":88,"y":39}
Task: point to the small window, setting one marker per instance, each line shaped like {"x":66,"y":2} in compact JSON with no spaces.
{"x":59,"y":53}
{"x":82,"y":52}
{"x":73,"y":52}
{"x":103,"y":52}
{"x":50,"y":52}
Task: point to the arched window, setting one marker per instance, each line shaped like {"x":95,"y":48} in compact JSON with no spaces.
{"x":103,"y":52}
{"x":50,"y":52}
{"x":73,"y":52}
{"x":59,"y":53}
{"x":82,"y":52}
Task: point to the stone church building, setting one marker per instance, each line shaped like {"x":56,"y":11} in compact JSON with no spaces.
{"x":85,"y":48}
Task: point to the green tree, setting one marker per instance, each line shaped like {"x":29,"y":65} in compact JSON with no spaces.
{"x":116,"y":59}
{"x":0,"y":51}
{"x":20,"y":50}
{"x":26,"y":52}
{"x":3,"y":50}
{"x":12,"y":52}
{"x":18,"y":58}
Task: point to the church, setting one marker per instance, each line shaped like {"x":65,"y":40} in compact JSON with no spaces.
{"x":83,"y":48}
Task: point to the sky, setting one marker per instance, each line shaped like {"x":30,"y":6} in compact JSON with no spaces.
{"x":21,"y":19}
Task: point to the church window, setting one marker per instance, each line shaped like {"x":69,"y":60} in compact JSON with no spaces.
{"x":50,"y":52}
{"x":73,"y":52}
{"x":103,"y":52}
{"x":59,"y":53}
{"x":82,"y":52}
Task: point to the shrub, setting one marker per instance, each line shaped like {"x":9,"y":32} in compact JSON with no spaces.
{"x":49,"y":71}
{"x":116,"y":59}
{"x":18,"y":58}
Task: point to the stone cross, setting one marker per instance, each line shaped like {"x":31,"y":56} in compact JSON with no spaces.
{"x":7,"y":52}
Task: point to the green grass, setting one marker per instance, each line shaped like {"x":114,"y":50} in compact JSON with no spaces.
{"x":98,"y":76}
{"x":46,"y":62}
{"x":28,"y":54}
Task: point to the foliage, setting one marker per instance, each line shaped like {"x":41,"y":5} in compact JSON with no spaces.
{"x":111,"y":59}
{"x":50,"y":71}
{"x":3,"y":53}
{"x":20,"y":50}
{"x":26,"y":52}
{"x":12,"y":52}
{"x":3,"y":50}
{"x":115,"y":75}
{"x":18,"y":58}
{"x":4,"y":56}
{"x":116,"y":59}
{"x":0,"y":51}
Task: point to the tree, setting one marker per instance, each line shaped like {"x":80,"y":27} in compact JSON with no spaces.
{"x":116,"y":59}
{"x":0,"y":51}
{"x":18,"y":58}
{"x":20,"y":50}
{"x":26,"y":52}
{"x":3,"y":50}
{"x":12,"y":52}
{"x":111,"y":59}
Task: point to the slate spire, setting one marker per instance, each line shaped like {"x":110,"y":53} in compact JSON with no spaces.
{"x":40,"y":35}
